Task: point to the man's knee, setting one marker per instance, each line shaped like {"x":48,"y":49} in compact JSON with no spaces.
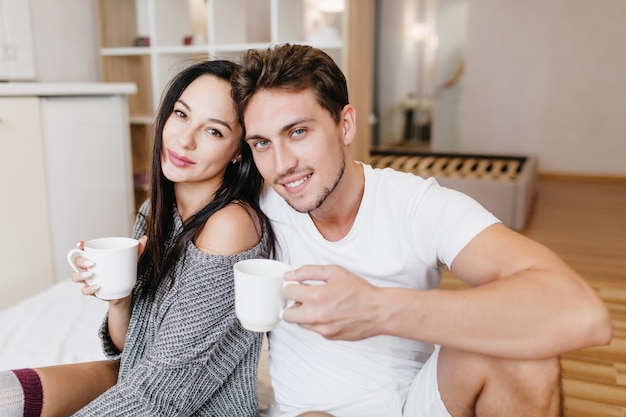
{"x":483,"y":369}
{"x":536,"y":375}
{"x":541,"y":379}
{"x":473,"y":384}
{"x":547,"y":371}
{"x":533,"y":386}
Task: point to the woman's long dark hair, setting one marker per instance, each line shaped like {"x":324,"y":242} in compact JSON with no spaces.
{"x":242,"y":184}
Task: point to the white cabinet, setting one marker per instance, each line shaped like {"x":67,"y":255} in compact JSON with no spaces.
{"x":17,"y":52}
{"x":25,"y":246}
{"x":65,"y":172}
{"x":89,"y":177}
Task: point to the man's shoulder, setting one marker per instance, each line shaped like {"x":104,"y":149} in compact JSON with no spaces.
{"x":269,"y":197}
{"x":273,"y":205}
{"x":394,"y":181}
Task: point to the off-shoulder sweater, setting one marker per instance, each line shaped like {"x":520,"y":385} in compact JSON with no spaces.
{"x":185,"y":353}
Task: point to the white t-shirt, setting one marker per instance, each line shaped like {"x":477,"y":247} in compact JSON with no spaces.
{"x":406,"y":229}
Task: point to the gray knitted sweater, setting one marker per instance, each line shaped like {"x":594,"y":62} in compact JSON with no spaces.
{"x":185,"y":353}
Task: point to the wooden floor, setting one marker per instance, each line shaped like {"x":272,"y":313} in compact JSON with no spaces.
{"x":584,"y":221}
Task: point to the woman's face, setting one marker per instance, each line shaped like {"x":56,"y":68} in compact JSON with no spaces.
{"x":201,"y":136}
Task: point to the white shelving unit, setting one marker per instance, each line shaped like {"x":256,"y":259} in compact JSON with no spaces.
{"x":148,"y":41}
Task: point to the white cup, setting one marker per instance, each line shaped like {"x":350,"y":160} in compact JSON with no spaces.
{"x":115,"y":269}
{"x":259,"y":293}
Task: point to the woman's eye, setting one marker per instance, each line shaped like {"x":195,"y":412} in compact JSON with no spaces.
{"x":214,"y":132}
{"x":180,"y":113}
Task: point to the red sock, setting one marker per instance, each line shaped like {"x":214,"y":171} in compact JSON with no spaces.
{"x":33,"y":392}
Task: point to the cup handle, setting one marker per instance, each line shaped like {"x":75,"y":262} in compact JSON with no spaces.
{"x":71,"y":257}
{"x":288,"y":303}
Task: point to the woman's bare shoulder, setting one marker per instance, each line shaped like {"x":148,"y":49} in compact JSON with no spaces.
{"x":231,"y":230}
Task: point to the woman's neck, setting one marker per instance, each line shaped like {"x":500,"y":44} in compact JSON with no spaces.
{"x":190,"y":198}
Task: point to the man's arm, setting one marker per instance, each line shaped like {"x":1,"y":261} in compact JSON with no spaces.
{"x":524,"y":303}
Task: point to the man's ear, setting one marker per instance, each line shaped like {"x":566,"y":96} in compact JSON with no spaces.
{"x":348,"y":124}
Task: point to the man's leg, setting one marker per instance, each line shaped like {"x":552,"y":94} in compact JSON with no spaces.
{"x":476,"y":385}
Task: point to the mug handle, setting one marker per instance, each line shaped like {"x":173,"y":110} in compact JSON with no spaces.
{"x":288,"y":303}
{"x":71,"y":257}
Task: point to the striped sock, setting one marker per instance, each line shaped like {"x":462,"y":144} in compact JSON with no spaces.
{"x":11,"y":395}
{"x":33,"y":392}
{"x":21,"y":393}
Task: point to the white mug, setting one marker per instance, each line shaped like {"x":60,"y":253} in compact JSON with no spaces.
{"x":259,"y":293}
{"x":115,"y":269}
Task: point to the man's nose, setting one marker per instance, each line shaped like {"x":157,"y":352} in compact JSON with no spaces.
{"x":284,"y":159}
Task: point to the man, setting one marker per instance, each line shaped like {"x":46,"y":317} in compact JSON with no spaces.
{"x":369,"y":333}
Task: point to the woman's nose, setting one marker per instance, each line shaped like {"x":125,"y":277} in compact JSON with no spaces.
{"x":186,"y":138}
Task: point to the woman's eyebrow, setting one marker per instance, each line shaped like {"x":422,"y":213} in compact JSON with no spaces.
{"x":218,"y":121}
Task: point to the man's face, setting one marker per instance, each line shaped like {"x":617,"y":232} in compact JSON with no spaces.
{"x":297,"y":146}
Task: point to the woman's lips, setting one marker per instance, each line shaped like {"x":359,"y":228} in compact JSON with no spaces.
{"x":179,"y":160}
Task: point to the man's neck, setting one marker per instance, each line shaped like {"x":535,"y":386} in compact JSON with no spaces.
{"x":335,"y":217}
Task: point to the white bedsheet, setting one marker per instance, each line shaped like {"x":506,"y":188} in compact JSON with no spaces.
{"x":56,"y":326}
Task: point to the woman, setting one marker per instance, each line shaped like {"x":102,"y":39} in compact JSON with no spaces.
{"x":180,"y":347}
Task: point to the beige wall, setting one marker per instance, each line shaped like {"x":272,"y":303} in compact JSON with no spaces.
{"x":65,"y":40}
{"x":549,"y":78}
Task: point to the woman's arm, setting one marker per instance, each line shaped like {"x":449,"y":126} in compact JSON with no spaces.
{"x":118,"y":316}
{"x":118,"y":319}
